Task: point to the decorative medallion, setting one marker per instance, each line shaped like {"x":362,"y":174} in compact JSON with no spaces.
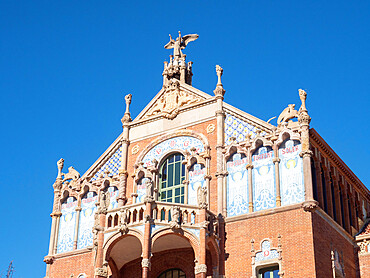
{"x":210,"y":128}
{"x":135,"y":149}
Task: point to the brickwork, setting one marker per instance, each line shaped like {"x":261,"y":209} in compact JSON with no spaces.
{"x":326,"y":238}
{"x":364,"y":261}
{"x":295,"y":228}
{"x":77,"y":264}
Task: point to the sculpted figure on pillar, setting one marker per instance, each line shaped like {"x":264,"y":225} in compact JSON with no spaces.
{"x":175,"y":218}
{"x":125,"y":214}
{"x":148,"y":190}
{"x":287,"y":114}
{"x":202,"y":197}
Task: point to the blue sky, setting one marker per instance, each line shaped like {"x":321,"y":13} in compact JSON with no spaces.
{"x":66,"y":66}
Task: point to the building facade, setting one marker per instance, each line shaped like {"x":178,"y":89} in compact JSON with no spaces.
{"x":194,"y":187}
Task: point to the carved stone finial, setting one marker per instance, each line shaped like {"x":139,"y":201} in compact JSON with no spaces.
{"x":303,"y":97}
{"x":127,"y":117}
{"x":60,"y":165}
{"x":219,"y":91}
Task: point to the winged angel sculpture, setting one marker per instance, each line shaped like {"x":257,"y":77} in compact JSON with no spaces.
{"x":180,"y":43}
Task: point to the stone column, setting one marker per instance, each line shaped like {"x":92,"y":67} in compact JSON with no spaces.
{"x":182,"y":69}
{"x":304,"y":124}
{"x":122,"y":198}
{"x":145,"y":263}
{"x":220,"y":116}
{"x":276,"y":161}
{"x":78,"y":210}
{"x":101,"y":270}
{"x":200,"y":269}
{"x":250,"y":185}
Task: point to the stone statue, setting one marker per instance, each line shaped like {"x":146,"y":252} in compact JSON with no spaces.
{"x":175,"y":218}
{"x":124,"y":220}
{"x":60,"y":165}
{"x":287,"y":114}
{"x":148,"y":190}
{"x":202,"y":197}
{"x":104,"y":201}
{"x":180,"y":43}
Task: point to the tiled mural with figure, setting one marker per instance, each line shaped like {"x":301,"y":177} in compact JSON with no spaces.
{"x":141,"y":190}
{"x":67,"y":225}
{"x":196,"y":179}
{"x":176,"y":143}
{"x":238,"y":129}
{"x":263,"y":175}
{"x":291,"y":173}
{"x":237,"y":185}
{"x":113,"y":194}
{"x":88,"y":208}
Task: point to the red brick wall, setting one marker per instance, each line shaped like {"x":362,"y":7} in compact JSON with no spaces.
{"x":364,"y":260}
{"x":77,"y":264}
{"x":295,"y":229}
{"x":326,"y":238}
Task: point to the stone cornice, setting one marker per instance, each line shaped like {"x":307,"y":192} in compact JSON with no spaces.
{"x":320,"y":143}
{"x":72,"y":253}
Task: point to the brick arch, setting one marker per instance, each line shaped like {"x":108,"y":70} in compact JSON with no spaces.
{"x":194,"y":242}
{"x":178,"y":133}
{"x":109,"y":244}
{"x":214,"y":250}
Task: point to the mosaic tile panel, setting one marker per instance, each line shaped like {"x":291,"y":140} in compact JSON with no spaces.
{"x":88,"y":208}
{"x":141,"y":190}
{"x":263,"y":176}
{"x":196,"y":179}
{"x":237,"y":185}
{"x":67,"y":226}
{"x":179,"y":143}
{"x":112,"y":164}
{"x":266,"y":253}
{"x":291,"y":173}
{"x":239,"y":129}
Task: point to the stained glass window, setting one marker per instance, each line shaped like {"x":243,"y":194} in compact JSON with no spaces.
{"x":172,"y":174}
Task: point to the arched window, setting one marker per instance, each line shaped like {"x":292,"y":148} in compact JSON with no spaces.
{"x":173,"y":273}
{"x":172,"y":174}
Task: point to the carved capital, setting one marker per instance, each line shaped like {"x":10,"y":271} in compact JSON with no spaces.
{"x":310,"y":205}
{"x":249,"y":166}
{"x":207,"y":177}
{"x":101,"y":271}
{"x":221,"y":174}
{"x":306,"y":153}
{"x":146,"y":263}
{"x":200,"y":268}
{"x":220,"y":113}
{"x":276,"y":160}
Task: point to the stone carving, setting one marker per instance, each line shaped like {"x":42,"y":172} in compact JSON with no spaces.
{"x":287,"y":114}
{"x":219,"y":91}
{"x":210,"y":128}
{"x":135,"y":149}
{"x":145,"y":263}
{"x":175,"y":218}
{"x":169,"y":103}
{"x":125,"y":214}
{"x":202,"y":197}
{"x":148,"y":190}
{"x":60,"y":165}
{"x":200,"y":268}
{"x":180,"y":43}
{"x":363,"y":244}
{"x":104,"y":202}
{"x":127,"y":117}
{"x":71,"y":175}
{"x":49,"y":259}
{"x":102,"y":271}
